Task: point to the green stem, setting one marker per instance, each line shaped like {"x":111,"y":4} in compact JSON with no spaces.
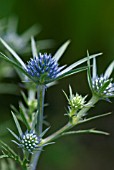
{"x":31,"y":98}
{"x":91,"y":102}
{"x":58,"y":133}
{"x":40,"y":99}
{"x":69,"y":125}
{"x":39,"y":127}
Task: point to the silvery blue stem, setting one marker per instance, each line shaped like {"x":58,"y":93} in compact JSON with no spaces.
{"x":40,"y":99}
{"x":39,"y":127}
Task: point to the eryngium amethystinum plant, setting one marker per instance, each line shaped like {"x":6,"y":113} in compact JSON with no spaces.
{"x":41,"y":70}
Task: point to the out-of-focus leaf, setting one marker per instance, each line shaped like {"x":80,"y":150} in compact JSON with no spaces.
{"x":24,"y":97}
{"x":11,"y":164}
{"x":15,"y":64}
{"x":9,"y":151}
{"x":17,"y":125}
{"x":13,"y":53}
{"x":14,"y":135}
{"x":3,"y":164}
{"x":45,"y":44}
{"x":32,"y":31}
{"x":23,"y":116}
{"x":34,"y":50}
{"x":34,"y":121}
{"x":4,"y":156}
{"x":6,"y":88}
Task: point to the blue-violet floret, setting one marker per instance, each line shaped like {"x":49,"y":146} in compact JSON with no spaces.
{"x":103,"y":86}
{"x":43,"y":67}
{"x":99,"y":82}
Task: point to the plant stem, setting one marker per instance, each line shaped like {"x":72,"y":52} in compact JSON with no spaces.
{"x":40,"y":99}
{"x":68,"y":126}
{"x":39,"y":126}
{"x":91,"y":102}
{"x":58,"y":133}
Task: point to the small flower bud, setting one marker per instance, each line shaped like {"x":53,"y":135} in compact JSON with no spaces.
{"x":30,"y":141}
{"x":76,"y":102}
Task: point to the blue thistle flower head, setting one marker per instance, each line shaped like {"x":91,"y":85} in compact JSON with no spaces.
{"x":103,"y":85}
{"x":30,"y":141}
{"x":43,"y":68}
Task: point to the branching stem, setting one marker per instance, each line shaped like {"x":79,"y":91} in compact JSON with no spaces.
{"x":69,"y":125}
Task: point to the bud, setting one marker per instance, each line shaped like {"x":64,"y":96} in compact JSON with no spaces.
{"x":76,"y":102}
{"x":30,"y":141}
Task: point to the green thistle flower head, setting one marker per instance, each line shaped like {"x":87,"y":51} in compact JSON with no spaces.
{"x":76,"y":102}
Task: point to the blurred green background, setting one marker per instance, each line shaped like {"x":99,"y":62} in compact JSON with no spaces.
{"x":89,"y":25}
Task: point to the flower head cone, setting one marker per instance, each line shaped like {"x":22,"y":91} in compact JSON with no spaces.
{"x":30,"y":141}
{"x":76,"y":102}
{"x":103,"y":85}
{"x":43,"y":68}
